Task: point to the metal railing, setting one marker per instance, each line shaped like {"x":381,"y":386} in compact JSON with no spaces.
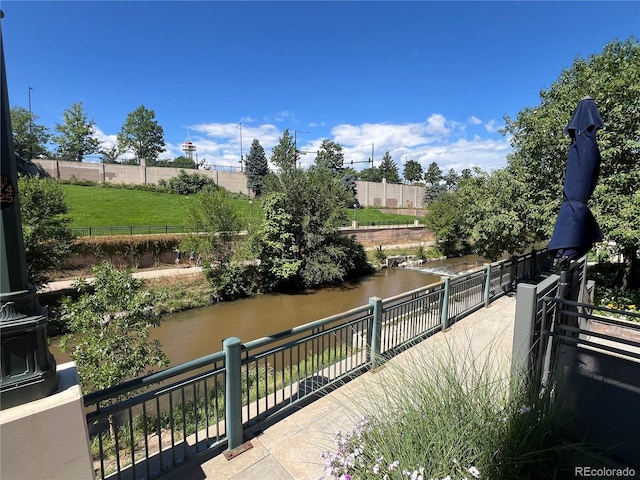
{"x":129,"y":230}
{"x":211,"y":402}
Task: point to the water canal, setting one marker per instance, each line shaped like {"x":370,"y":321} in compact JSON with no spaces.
{"x":195,"y":333}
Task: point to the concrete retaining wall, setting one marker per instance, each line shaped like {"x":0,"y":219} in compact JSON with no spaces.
{"x":370,"y":194}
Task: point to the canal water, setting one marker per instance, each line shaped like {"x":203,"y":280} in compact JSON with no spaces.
{"x":195,"y":333}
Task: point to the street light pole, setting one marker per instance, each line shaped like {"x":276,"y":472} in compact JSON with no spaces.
{"x":366,"y":145}
{"x":30,"y":127}
{"x":27,"y":368}
{"x":241,"y":156}
{"x":295,"y":145}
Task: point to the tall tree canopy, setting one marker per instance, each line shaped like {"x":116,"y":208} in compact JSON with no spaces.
{"x":540,"y":145}
{"x":142,"y":135}
{"x":331,"y":156}
{"x":29,"y":138}
{"x":298,"y":242}
{"x":256,"y":168}
{"x":284,"y":155}
{"x":412,"y":171}
{"x":76,"y":135}
{"x":433,"y":175}
{"x":389,"y":169}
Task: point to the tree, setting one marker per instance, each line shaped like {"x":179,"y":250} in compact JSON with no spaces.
{"x":77,"y":135}
{"x":48,"y":242}
{"x":372,"y":174}
{"x":256,"y":168}
{"x":540,"y":147}
{"x":433,"y":175}
{"x":29,"y":138}
{"x":412,"y":171}
{"x":389,"y":169}
{"x":183,"y":162}
{"x":451,"y":179}
{"x":215,"y":219}
{"x":331,"y":156}
{"x":493,"y":205}
{"x":349,"y":181}
{"x":110,"y":331}
{"x":284,"y":155}
{"x":109,"y":154}
{"x":446,"y":220}
{"x":142,"y":135}
{"x":432,"y":192}
{"x":298,"y":242}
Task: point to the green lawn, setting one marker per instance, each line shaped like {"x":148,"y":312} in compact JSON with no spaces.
{"x":91,"y":206}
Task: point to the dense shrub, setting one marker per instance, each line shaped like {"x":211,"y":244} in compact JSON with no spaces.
{"x":189,"y":183}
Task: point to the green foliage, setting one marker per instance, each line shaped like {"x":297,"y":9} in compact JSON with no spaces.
{"x":612,"y":78}
{"x":142,"y":135}
{"x":389,"y":169}
{"x":331,"y":156}
{"x":29,"y":138}
{"x":214,"y":217}
{"x":492,"y":206}
{"x":284,"y":155}
{"x":112,"y":328}
{"x":256,"y":168}
{"x":432,"y":192}
{"x":433,"y":175}
{"x":450,"y":179}
{"x":298,"y":240}
{"x":77,"y":135}
{"x":412,"y":171}
{"x":373,"y":174}
{"x":47,"y":239}
{"x":380,"y":254}
{"x":446,"y":220}
{"x":190,"y":183}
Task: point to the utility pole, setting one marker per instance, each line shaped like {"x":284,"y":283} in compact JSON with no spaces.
{"x":30,"y":127}
{"x":241,"y":156}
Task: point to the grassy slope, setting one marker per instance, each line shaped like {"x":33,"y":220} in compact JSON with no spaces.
{"x":96,"y":207}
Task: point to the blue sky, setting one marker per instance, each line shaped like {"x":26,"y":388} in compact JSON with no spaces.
{"x":426,"y":81}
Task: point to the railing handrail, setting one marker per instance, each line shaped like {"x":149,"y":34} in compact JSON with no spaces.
{"x":260,"y":342}
{"x":156,"y":377}
{"x":377,"y":330}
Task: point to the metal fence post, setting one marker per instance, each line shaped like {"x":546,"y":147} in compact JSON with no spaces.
{"x":487,"y":285}
{"x":233,"y":391}
{"x":375,"y":338}
{"x":523,"y":334}
{"x":514,"y":273}
{"x":444,"y":310}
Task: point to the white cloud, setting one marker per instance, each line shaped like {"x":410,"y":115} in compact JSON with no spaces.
{"x":474,"y":120}
{"x":437,"y":139}
{"x":492,"y":126}
{"x":436,"y":125}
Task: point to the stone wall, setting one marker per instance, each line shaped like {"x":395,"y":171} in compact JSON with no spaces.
{"x":370,"y":194}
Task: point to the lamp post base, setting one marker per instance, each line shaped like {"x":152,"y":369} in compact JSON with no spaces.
{"x":27,"y":368}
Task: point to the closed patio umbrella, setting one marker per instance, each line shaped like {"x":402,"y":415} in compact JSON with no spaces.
{"x":576,"y":229}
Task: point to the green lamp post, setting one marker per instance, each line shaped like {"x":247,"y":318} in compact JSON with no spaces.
{"x":27,"y":368}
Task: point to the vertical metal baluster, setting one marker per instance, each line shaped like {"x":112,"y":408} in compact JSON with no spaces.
{"x":171,"y":422}
{"x":183,"y":409}
{"x":159,"y":424}
{"x":145,"y":432}
{"x":132,"y":440}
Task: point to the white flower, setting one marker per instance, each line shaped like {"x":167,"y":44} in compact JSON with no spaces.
{"x":524,"y":409}
{"x":448,"y":477}
{"x":474,"y":471}
{"x":394,"y":465}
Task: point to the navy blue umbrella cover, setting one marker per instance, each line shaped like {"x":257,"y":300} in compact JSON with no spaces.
{"x":576,"y":228}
